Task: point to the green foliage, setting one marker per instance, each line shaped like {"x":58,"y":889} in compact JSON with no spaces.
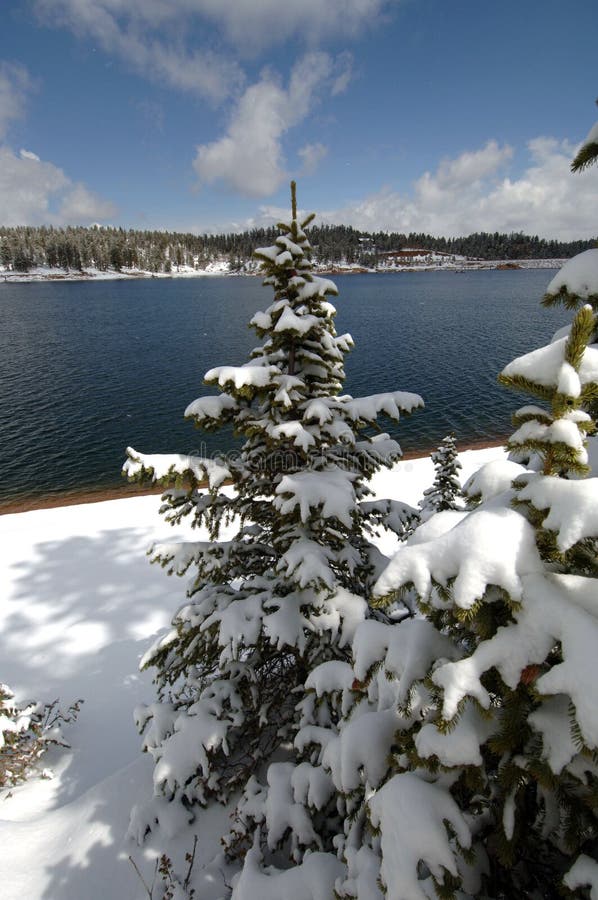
{"x":587,"y":156}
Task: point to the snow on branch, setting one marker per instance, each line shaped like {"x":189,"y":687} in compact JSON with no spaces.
{"x":206,"y":409}
{"x":164,"y":467}
{"x":331,"y":489}
{"x":292,"y":431}
{"x":313,"y":879}
{"x":547,"y":366}
{"x":317,"y":287}
{"x":539,"y":624}
{"x":307,"y":563}
{"x":250,"y":376}
{"x":491,"y":546}
{"x":491,"y":479}
{"x":584,"y":871}
{"x":578,"y":278}
{"x":572,"y":506}
{"x":393,"y":403}
{"x":563,"y":431}
{"x":407,"y":651}
{"x":411,"y":816}
{"x":290,"y":321}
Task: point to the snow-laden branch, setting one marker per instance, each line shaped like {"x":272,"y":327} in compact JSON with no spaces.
{"x":571,"y":506}
{"x":392,"y":403}
{"x":494,"y":545}
{"x":211,"y":408}
{"x":164,"y":467}
{"x":579,"y":276}
{"x":331,"y":490}
{"x":547,"y":366}
{"x":248,"y":376}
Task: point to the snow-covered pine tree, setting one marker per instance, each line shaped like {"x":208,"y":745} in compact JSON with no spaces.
{"x":284,"y":589}
{"x":587,"y":154}
{"x":577,"y":282}
{"x":445,"y":492}
{"x":467,"y":749}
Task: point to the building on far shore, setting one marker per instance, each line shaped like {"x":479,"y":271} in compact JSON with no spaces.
{"x":417,"y":256}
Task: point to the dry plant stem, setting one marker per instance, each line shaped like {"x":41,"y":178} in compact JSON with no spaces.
{"x":191,"y":858}
{"x":149,"y":891}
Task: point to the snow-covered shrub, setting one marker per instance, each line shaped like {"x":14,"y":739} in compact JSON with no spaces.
{"x":281,"y":596}
{"x":26,"y":733}
{"x":466,"y":744}
{"x":445,"y":492}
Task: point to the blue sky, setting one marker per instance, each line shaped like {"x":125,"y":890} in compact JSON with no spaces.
{"x":426,"y":115}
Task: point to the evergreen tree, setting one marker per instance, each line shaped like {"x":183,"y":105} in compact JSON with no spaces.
{"x":576,"y":284}
{"x":588,"y":152}
{"x":445,"y":493}
{"x":283,"y":582}
{"x":22,"y":261}
{"x":483,"y":778}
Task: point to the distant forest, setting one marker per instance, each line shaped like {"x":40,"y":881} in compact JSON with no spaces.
{"x":22,"y":248}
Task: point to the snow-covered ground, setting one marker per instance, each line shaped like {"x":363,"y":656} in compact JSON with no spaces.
{"x":44,"y":273}
{"x":79,"y":608}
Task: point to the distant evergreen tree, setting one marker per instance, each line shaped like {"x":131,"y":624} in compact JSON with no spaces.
{"x":445,"y":493}
{"x":21,"y":260}
{"x":78,"y":247}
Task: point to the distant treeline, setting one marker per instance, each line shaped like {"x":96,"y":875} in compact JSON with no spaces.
{"x":22,"y":248}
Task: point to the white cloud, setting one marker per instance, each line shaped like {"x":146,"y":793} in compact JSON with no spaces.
{"x":249,"y":158}
{"x":15,"y":83}
{"x":344,"y":73}
{"x":80,"y":205}
{"x":149,"y":36}
{"x":33,"y":192}
{"x":267,"y":22}
{"x":311,"y":155}
{"x":473,"y":192}
{"x":155,"y":36}
{"x":249,"y":25}
{"x":472,"y":166}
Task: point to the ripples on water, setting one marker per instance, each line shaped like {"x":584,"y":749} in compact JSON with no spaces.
{"x":88,"y":368}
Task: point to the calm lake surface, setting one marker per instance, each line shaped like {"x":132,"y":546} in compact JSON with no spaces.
{"x":87,"y":368}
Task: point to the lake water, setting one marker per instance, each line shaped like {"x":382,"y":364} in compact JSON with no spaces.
{"x":87,"y":368}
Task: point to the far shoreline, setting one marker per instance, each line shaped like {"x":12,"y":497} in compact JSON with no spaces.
{"x":53,"y":276}
{"x":128,"y":491}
